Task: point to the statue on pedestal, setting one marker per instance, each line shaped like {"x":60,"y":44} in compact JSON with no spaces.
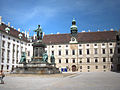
{"x":45,"y":57}
{"x":52,"y":59}
{"x":39,"y":33}
{"x":23,"y":58}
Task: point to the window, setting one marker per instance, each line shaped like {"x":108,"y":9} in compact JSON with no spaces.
{"x":96,"y":67}
{"x":111,"y":51}
{"x":118,"y":50}
{"x":118,"y":44}
{"x":66,"y":45}
{"x":14,"y":40}
{"x":8,"y":38}
{"x":52,"y":52}
{"x":17,"y":47}
{"x":110,"y":44}
{"x":28,"y":53}
{"x":80,"y":45}
{"x":17,"y":54}
{"x":8,"y":45}
{"x":88,"y":51}
{"x":96,"y":60}
{"x":7,"y":67}
{"x":80,"y":67}
{"x":59,"y":52}
{"x":95,"y":44}
{"x":80,"y":60}
{"x":104,"y":67}
{"x":66,"y":60}
{"x":3,"y":43}
{"x":66,"y":52}
{"x":59,"y":60}
{"x":17,"y":41}
{"x":52,"y":46}
{"x":87,"y":44}
{"x":3,"y":36}
{"x":88,"y":67}
{"x":103,"y":44}
{"x":13,"y":61}
{"x":8,"y":55}
{"x":73,"y":52}
{"x":80,"y":51}
{"x":2,"y":66}
{"x":3,"y":53}
{"x":73,"y":60}
{"x":104,"y":59}
{"x":103,"y":51}
{"x":95,"y":51}
{"x":111,"y":59}
{"x":59,"y":46}
{"x":88,"y":60}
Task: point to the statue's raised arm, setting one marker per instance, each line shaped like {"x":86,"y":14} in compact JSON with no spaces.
{"x":39,"y":32}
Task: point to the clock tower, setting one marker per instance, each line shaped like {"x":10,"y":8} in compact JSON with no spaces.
{"x":74,"y":32}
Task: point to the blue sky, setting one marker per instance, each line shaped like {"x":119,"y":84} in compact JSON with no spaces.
{"x":56,"y":15}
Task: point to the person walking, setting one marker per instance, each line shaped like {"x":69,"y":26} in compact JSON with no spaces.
{"x":2,"y":75}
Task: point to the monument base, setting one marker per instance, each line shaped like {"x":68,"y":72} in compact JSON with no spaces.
{"x":37,"y":68}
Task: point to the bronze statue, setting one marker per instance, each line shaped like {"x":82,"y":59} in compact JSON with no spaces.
{"x":23,"y":58}
{"x":52,"y":59}
{"x":39,"y":33}
{"x":45,"y":57}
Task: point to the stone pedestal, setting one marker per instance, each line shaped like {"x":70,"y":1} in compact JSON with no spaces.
{"x":37,"y":65}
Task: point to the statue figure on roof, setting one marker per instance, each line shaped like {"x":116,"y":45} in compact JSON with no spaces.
{"x":39,"y":33}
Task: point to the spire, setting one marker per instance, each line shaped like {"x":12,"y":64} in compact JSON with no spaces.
{"x":73,"y":21}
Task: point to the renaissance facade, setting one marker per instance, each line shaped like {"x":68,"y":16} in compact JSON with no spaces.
{"x":12,"y":44}
{"x":85,"y":51}
{"x":75,"y":51}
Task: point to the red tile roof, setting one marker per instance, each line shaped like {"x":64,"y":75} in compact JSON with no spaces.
{"x":13,"y":32}
{"x":82,"y":37}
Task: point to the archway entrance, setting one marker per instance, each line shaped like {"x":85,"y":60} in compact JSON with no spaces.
{"x":73,"y":68}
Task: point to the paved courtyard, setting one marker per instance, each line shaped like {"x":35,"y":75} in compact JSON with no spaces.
{"x":74,"y":81}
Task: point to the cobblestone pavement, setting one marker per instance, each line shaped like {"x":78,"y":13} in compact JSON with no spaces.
{"x":66,"y":81}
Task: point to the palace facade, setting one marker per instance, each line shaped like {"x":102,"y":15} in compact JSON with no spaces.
{"x":85,"y":51}
{"x":74,"y":51}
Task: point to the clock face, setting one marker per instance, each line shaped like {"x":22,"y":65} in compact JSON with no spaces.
{"x":73,"y":39}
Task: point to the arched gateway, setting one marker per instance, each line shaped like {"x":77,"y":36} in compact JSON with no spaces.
{"x":73,"y":68}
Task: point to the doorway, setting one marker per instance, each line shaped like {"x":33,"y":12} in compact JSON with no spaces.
{"x":73,"y":68}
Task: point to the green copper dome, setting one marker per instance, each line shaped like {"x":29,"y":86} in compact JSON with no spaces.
{"x":73,"y":27}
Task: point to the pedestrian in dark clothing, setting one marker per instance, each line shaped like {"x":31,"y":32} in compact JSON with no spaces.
{"x":2,"y":75}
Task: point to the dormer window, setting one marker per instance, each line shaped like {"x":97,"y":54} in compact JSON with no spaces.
{"x":73,"y":40}
{"x":7,"y":29}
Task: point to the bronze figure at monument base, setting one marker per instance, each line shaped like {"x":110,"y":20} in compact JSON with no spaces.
{"x":39,"y":63}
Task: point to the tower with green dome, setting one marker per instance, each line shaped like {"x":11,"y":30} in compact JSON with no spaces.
{"x":73,"y":28}
{"x":74,"y":32}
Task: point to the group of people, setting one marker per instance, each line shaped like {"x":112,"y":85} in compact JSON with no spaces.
{"x":2,"y":75}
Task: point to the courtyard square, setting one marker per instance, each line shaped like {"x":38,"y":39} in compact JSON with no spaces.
{"x":65,"y":81}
